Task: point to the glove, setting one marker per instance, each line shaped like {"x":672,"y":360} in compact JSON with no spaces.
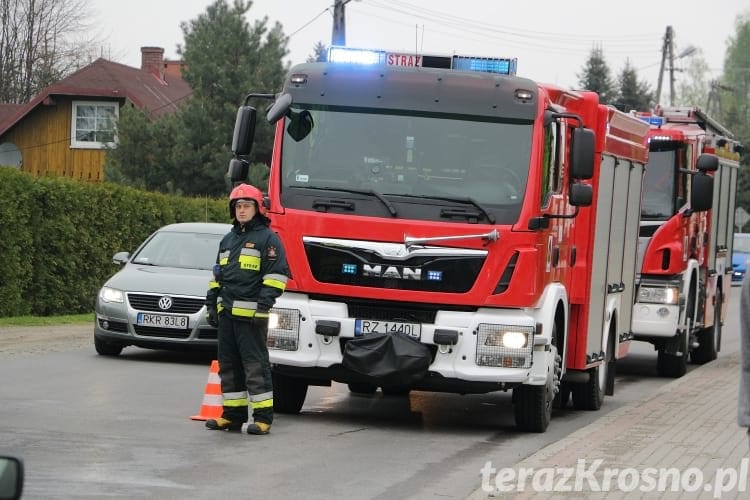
{"x":212,"y":316}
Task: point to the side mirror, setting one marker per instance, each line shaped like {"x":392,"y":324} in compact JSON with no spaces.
{"x":702,"y":193}
{"x":582,"y":154}
{"x":580,"y":195}
{"x":237,"y":170}
{"x":244,"y":131}
{"x":118,"y":258}
{"x":279,"y":108}
{"x":707,"y":163}
{"x":11,"y":478}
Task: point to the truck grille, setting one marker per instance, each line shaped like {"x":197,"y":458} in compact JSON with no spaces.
{"x":347,"y":266}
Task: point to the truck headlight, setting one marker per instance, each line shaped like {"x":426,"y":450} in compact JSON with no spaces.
{"x":107,"y":294}
{"x":283,"y":329}
{"x":658,"y":295}
{"x":507,"y":346}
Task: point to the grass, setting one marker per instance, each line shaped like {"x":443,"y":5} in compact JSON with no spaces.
{"x":47,"y":320}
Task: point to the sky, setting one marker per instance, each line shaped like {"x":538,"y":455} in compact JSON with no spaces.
{"x":551,"y":39}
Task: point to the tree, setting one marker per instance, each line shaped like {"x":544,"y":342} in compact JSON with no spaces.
{"x":226,"y":59}
{"x":735,"y":100}
{"x":596,"y":76}
{"x":693,"y":88}
{"x":632,"y":94}
{"x":320,"y":53}
{"x":38,"y":44}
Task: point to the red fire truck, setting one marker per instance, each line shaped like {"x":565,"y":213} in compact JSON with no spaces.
{"x":685,"y":252}
{"x":449,"y":226}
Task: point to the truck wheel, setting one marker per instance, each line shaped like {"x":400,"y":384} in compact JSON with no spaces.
{"x":532,"y":406}
{"x":673,"y":365}
{"x":562,"y":398}
{"x":590,"y":395}
{"x":289,"y":393}
{"x":105,"y":348}
{"x":708,"y":338}
{"x":362,"y":388}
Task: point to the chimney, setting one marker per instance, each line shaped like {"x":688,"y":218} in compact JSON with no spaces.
{"x":152,"y":60}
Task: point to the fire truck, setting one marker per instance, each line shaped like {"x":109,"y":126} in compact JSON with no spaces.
{"x":685,"y":243}
{"x":449,"y":226}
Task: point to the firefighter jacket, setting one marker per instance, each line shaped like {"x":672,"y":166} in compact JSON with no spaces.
{"x":250,"y":272}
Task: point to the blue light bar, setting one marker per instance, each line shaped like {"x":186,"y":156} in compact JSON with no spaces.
{"x":657,"y":121}
{"x":347,"y":55}
{"x":485,"y":65}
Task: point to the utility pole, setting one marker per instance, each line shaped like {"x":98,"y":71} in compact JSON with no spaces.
{"x":666,"y":49}
{"x":338,"y":34}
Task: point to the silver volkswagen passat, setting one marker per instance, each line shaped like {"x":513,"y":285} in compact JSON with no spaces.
{"x":156,"y":300}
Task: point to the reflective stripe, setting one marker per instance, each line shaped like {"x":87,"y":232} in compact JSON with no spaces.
{"x":261,"y":397}
{"x":259,"y":314}
{"x":275,"y":281}
{"x":224,"y":257}
{"x":268,"y":403}
{"x":244,"y":308}
{"x":235,"y":395}
{"x":213,"y":284}
{"x":219,"y":305}
{"x":235,"y":403}
{"x":253,"y":252}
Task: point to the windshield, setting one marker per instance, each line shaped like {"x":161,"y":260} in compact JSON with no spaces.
{"x":186,"y":250}
{"x":409,"y":157}
{"x":659,"y":185}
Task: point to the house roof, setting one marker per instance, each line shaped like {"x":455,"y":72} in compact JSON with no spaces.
{"x":156,"y":94}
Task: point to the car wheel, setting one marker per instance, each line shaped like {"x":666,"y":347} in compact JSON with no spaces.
{"x":105,"y":348}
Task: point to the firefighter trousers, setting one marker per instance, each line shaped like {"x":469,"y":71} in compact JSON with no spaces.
{"x":244,"y":369}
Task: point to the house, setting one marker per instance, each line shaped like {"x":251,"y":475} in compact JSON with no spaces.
{"x":65,"y":129}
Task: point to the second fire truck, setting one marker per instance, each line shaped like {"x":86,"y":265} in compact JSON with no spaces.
{"x":449,"y":226}
{"x":685,"y":246}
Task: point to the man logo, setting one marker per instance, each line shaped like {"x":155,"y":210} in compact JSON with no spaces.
{"x":396,"y":272}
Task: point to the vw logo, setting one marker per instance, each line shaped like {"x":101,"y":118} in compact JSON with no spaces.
{"x":165,"y":303}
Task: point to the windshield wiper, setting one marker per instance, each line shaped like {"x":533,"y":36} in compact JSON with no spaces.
{"x":371,"y":192}
{"x":468,"y":200}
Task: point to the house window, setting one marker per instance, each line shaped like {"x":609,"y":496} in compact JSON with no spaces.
{"x":93,"y":124}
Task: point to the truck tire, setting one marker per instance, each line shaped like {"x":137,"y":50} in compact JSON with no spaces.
{"x":105,"y":348}
{"x":708,"y":338}
{"x":671,"y":365}
{"x":289,"y":393}
{"x":532,"y":404}
{"x":532,"y":407}
{"x":589,"y":395}
{"x":362,"y":388}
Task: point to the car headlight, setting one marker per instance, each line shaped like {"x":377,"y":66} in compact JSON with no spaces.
{"x":507,"y":346}
{"x":107,"y":294}
{"x":658,"y":295}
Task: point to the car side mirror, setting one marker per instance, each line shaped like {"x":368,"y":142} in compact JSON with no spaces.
{"x":11,"y":478}
{"x":120,"y":258}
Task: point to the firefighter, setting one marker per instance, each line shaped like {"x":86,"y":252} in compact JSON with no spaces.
{"x":250,"y":274}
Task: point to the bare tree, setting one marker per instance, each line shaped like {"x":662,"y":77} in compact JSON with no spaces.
{"x":39,"y":44}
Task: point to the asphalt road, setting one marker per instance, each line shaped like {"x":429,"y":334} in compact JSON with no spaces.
{"x":98,"y":427}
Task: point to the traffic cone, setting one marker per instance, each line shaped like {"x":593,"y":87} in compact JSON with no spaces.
{"x":213,"y":402}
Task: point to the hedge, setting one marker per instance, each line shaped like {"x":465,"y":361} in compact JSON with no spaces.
{"x":58,"y":236}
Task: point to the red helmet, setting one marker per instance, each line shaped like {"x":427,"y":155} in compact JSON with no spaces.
{"x":246,"y":192}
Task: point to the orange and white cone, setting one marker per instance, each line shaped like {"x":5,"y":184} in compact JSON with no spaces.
{"x":213,"y":401}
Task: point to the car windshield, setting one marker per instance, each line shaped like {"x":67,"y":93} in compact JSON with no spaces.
{"x":742,"y":243}
{"x":179,"y":249}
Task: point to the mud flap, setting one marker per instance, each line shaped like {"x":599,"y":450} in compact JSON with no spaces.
{"x":389,"y":359}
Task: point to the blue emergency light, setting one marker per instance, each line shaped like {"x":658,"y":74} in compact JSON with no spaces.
{"x":350,"y":55}
{"x":657,"y":121}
